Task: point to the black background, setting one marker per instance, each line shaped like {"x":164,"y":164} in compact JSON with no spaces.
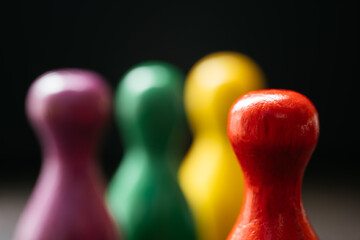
{"x":310,"y":47}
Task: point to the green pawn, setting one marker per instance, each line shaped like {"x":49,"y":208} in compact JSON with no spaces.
{"x":144,"y":195}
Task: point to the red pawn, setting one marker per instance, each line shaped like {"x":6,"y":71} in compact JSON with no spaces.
{"x":273,"y":134}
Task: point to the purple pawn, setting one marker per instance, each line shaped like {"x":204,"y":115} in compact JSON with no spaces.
{"x":69,"y":110}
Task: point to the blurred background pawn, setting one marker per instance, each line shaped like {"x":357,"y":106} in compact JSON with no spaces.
{"x":210,"y":176}
{"x":144,"y":195}
{"x":68,"y":110}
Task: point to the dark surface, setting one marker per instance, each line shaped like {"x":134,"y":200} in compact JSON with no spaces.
{"x":310,"y":47}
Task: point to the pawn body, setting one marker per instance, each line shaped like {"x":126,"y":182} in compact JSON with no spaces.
{"x":273,"y":134}
{"x":210,"y":176}
{"x":144,"y":195}
{"x":68,"y":110}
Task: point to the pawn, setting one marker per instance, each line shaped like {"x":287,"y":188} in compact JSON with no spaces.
{"x":144,"y":195}
{"x":273,"y":134}
{"x":68,"y":109}
{"x":210,"y":176}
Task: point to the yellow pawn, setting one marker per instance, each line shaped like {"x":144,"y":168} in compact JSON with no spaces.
{"x":210,"y":175}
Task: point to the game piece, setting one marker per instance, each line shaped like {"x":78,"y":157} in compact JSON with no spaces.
{"x":69,"y":109}
{"x":144,"y":195}
{"x":210,"y":176}
{"x":273,"y":134}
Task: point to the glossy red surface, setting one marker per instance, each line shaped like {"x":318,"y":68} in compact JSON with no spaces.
{"x":273,"y":134}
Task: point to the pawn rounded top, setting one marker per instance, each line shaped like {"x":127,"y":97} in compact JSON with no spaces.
{"x":273,"y":133}
{"x":69,"y":103}
{"x":148,"y":103}
{"x":213,"y":84}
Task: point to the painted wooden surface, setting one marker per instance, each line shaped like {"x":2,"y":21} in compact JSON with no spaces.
{"x":273,"y":134}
